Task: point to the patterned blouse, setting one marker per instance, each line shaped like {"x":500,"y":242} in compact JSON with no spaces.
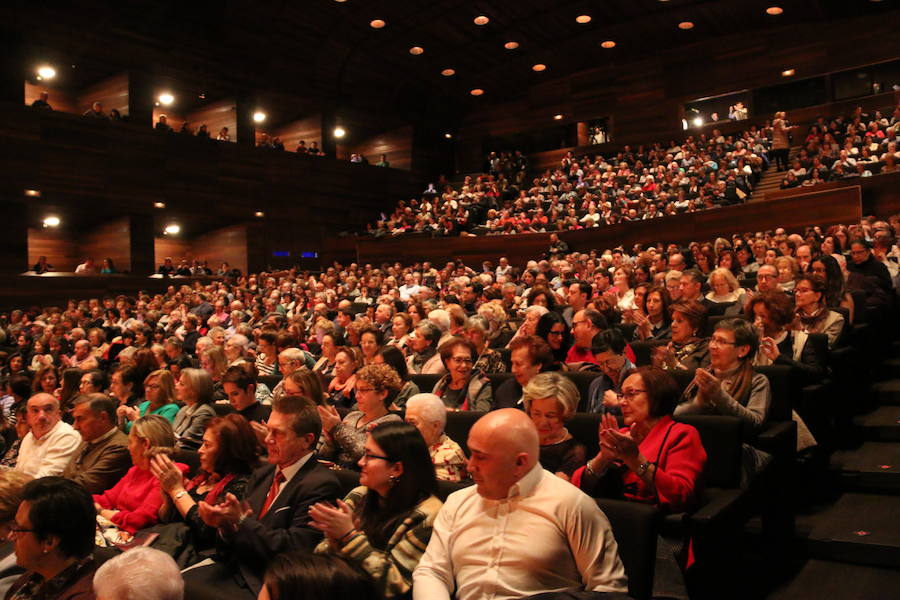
{"x":449,"y":459}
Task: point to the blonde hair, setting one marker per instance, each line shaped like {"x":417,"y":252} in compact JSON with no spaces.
{"x":727,"y":275}
{"x":553,"y":385}
{"x":11,"y":485}
{"x":494,"y":313}
{"x":158,"y":431}
{"x":166,"y":384}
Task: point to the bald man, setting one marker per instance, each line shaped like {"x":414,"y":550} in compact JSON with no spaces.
{"x":51,"y":443}
{"x":520,"y":530}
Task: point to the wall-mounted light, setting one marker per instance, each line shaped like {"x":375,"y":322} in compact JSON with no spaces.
{"x":52,"y":221}
{"x":46,"y":72}
{"x":166,"y":98}
{"x":448,"y":135}
{"x":159,"y":205}
{"x":481,"y":20}
{"x":788,"y":73}
{"x":33,"y":193}
{"x":339,"y":132}
{"x":698,"y":121}
{"x":259,"y":214}
{"x":259,"y":116}
{"x":172,"y":229}
{"x":557,"y":117}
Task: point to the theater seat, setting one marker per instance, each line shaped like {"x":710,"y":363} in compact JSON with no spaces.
{"x":582,"y":380}
{"x":223,"y":408}
{"x":270,"y":380}
{"x":189,"y":458}
{"x":426,"y":382}
{"x":458,"y":425}
{"x":635,"y":527}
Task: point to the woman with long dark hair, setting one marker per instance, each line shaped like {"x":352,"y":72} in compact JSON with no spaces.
{"x":553,"y":329}
{"x":385,"y":524}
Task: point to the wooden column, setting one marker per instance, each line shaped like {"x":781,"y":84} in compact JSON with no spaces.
{"x":246,"y":128}
{"x":12,"y":66}
{"x":142,"y":244}
{"x":14,"y":241}
{"x":140,"y":99}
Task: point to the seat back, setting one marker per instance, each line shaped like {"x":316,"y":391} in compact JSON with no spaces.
{"x":458,"y":425}
{"x":188,"y":457}
{"x":584,"y":427}
{"x":779,"y":377}
{"x":582,"y":381}
{"x":716,"y":309}
{"x":347,"y":480}
{"x":270,"y":380}
{"x":635,"y":528}
{"x":445,"y":488}
{"x":721,"y":438}
{"x":223,"y":408}
{"x":643,"y":352}
{"x":627,"y":330}
{"x":498,"y":379}
{"x":425,"y":381}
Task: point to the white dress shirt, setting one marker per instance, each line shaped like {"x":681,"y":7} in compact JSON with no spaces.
{"x":545,"y":536}
{"x":50,"y":454}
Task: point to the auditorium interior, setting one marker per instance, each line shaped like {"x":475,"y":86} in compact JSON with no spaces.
{"x":317,"y":152}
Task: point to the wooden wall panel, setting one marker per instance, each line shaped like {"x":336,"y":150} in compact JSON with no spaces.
{"x":60,"y":248}
{"x":60,"y":100}
{"x":176,"y":249}
{"x":396,"y":144}
{"x":223,"y":245}
{"x":216,"y":116}
{"x":308,"y":129}
{"x":174,"y":118}
{"x":112,"y":92}
{"x":109,"y":240}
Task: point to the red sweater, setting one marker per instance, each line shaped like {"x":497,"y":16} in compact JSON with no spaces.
{"x":136,"y":497}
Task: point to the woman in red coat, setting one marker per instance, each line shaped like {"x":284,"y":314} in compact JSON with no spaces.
{"x":652,"y":459}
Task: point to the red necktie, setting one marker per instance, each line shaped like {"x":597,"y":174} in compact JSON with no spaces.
{"x":273,"y":492}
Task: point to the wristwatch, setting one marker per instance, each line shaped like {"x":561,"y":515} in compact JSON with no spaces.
{"x":643,"y":468}
{"x":178,"y":495}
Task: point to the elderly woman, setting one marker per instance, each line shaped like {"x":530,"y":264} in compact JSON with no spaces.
{"x":529,"y":324}
{"x":726,"y":290}
{"x":134,"y":502}
{"x":123,"y":386}
{"x":463,"y":387}
{"x":227,"y":457}
{"x":812,"y":313}
{"x":551,"y":400}
{"x":195,"y":391}
{"x":392,"y":357}
{"x":499,"y":332}
{"x":787,"y":271}
{"x":346,"y":439}
{"x":342,"y":387}
{"x":325,"y":364}
{"x":213,"y":361}
{"x":427,"y":413}
{"x":654,"y":323}
{"x":371,"y":339}
{"x":423,"y":343}
{"x":477,"y":331}
{"x":652,"y":459}
{"x":401,"y":325}
{"x":53,"y":536}
{"x":303,"y":382}
{"x":384,"y":525}
{"x":687,"y":350}
{"x":159,"y":390}
{"x":772,"y":313}
{"x":236,"y":349}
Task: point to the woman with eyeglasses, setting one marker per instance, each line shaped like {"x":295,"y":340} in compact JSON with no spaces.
{"x":687,"y":350}
{"x":550,"y":401}
{"x":159,"y":391}
{"x":463,"y":387}
{"x":345,"y":438}
{"x":652,"y":459}
{"x":552,"y":328}
{"x":384,"y":525}
{"x":813,"y":315}
{"x":828,"y":268}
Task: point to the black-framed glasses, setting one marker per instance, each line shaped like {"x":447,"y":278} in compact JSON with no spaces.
{"x":369,"y":456}
{"x":721,"y":342}
{"x":630,"y":394}
{"x":15,"y":530}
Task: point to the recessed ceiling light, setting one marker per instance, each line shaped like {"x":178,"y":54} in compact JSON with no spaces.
{"x":46,"y":72}
{"x":539,"y":67}
{"x":774,"y":10}
{"x":448,"y":72}
{"x":259,"y":116}
{"x":788,"y":73}
{"x":52,"y":221}
{"x":557,"y":117}
{"x":477,"y":92}
{"x":259,"y":213}
{"x":416,"y":50}
{"x":33,"y":193}
{"x":339,"y":132}
{"x":583,"y":19}
{"x":608,"y":44}
{"x":511,"y":45}
{"x":448,"y":135}
{"x":159,"y":204}
{"x":685,"y":25}
{"x":166,"y":98}
{"x":481,"y":20}
{"x":172,"y":229}
{"x":377,"y":24}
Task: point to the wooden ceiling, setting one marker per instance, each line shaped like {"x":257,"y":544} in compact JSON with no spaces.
{"x":324,"y":54}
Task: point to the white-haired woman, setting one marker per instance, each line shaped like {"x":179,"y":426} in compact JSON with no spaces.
{"x":142,"y":572}
{"x":528,"y":327}
{"x":427,"y":413}
{"x":500,"y":331}
{"x":551,"y":400}
{"x":477,"y":331}
{"x":725,"y":289}
{"x":236,"y":349}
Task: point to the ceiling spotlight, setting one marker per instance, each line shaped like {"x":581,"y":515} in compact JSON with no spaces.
{"x":259,"y":213}
{"x":481,"y":20}
{"x":685,"y":25}
{"x":698,"y":121}
{"x":416,"y":50}
{"x":202,"y":95}
{"x":774,"y":10}
{"x":477,"y":92}
{"x":46,"y":72}
{"x":339,"y":132}
{"x":259,"y":116}
{"x":539,"y":67}
{"x":583,"y":19}
{"x":448,"y":135}
{"x":788,"y":73}
{"x":33,"y":193}
{"x":51,"y":221}
{"x":166,"y":98}
{"x":448,"y":72}
{"x":172,"y":229}
{"x":159,"y":205}
{"x":557,"y":117}
{"x":377,"y":24}
{"x":608,"y":44}
{"x":511,"y":45}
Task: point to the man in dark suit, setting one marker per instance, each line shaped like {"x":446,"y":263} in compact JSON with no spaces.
{"x":102,"y":459}
{"x":273,"y":516}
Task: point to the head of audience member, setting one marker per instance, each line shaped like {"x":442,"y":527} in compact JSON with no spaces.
{"x":150,"y":435}
{"x":723,"y":283}
{"x":229,"y":447}
{"x":12,"y":484}
{"x":122,"y":383}
{"x":732,"y":344}
{"x":828,"y":268}
{"x":426,"y":336}
{"x":82,"y":350}
{"x":529,"y":356}
{"x":688,"y":320}
{"x":860,"y":251}
{"x":504,"y":446}
{"x":293,"y":429}
{"x":427,"y":413}
{"x":551,"y":399}
{"x":93,"y":416}
{"x":290,"y":360}
{"x":623,"y":279}
{"x":142,"y":573}
{"x":397,"y":467}
{"x":303,"y":382}
{"x":577,"y":294}
{"x":159,"y":388}
{"x":533,"y":314}
{"x":384,"y":313}
{"x":770,"y":312}
{"x":213,"y":361}
{"x":767,"y":279}
{"x":648,"y":393}
{"x":236,"y":347}
{"x":692,"y":284}
{"x":54,"y":526}
{"x":301,"y":574}
{"x":347,"y":361}
{"x":376,"y":385}
{"x":657,"y":303}
{"x":239,"y":385}
{"x":541,"y":296}
{"x":371,"y":339}
{"x":458,"y":355}
{"x":400,"y":325}
{"x":787,"y":269}
{"x":43,"y":414}
{"x":809,"y":294}
{"x":45,"y":380}
{"x":553,"y":329}
{"x":195,"y":386}
{"x":585,"y":325}
{"x":608,"y":348}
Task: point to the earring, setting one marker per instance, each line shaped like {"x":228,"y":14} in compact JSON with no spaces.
{"x":393,"y":479}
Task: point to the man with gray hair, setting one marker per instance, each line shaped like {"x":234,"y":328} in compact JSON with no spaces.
{"x":103,"y":458}
{"x":427,"y":413}
{"x":142,"y":573}
{"x":51,"y":443}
